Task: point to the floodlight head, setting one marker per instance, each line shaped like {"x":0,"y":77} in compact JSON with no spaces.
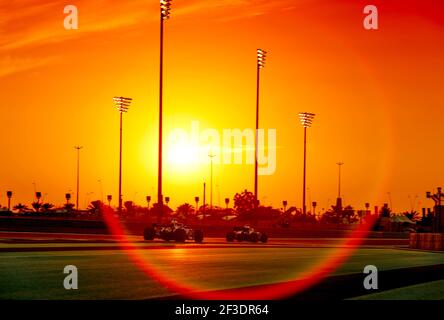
{"x":165,"y":9}
{"x":306,"y":119}
{"x":261,"y":56}
{"x":122,"y":104}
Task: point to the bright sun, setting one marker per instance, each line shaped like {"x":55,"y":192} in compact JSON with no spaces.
{"x":182,"y":154}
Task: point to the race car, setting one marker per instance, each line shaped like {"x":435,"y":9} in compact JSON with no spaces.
{"x":173,"y":231}
{"x":246,"y":233}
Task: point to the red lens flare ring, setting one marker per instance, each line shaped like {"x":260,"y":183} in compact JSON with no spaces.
{"x":271,"y":291}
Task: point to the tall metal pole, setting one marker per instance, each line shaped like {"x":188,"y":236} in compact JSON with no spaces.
{"x":159,"y":173}
{"x":122,"y":105}
{"x":256,"y":139}
{"x":306,"y":120}
{"x":120,"y":167}
{"x":78,"y":176}
{"x":261,"y":56}
{"x":211,"y":179}
{"x":204,"y":200}
{"x":304,"y":208}
{"x":101,"y":190}
{"x":339,"y":181}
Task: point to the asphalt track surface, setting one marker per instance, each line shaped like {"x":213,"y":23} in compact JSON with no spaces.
{"x":397,"y":274}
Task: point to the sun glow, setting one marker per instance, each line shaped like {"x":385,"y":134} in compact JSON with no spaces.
{"x":183,"y":154}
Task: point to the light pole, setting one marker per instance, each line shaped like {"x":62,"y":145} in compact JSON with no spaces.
{"x":211,"y":155}
{"x":9,"y":195}
{"x":261,"y":56}
{"x":227,"y":201}
{"x":314,"y":204}
{"x":109,"y":198}
{"x":339,"y":199}
{"x":204,"y":201}
{"x":196,"y":199}
{"x":437,"y":198}
{"x":67,"y":197}
{"x":122,"y":104}
{"x":339,"y":181}
{"x":101,"y":189}
{"x":285,"y":203}
{"x":78,"y":148}
{"x":165,"y":10}
{"x":306,"y":121}
{"x":389,"y":196}
{"x":148,"y":200}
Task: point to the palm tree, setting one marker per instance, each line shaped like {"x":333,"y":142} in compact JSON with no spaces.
{"x":68,"y":206}
{"x":184,"y":211}
{"x":21,"y":208}
{"x":46,"y":207}
{"x":413,"y":215}
{"x":96,"y":207}
{"x":36,"y":205}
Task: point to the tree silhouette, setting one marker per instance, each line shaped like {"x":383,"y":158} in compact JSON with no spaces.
{"x":21,"y":208}
{"x":184,"y":211}
{"x":166,"y":212}
{"x":244,"y":204}
{"x":385,"y":211}
{"x":413,"y":215}
{"x":330,"y":216}
{"x":69,"y":206}
{"x":36,"y":205}
{"x":46,"y":207}
{"x":350,"y":214}
{"x":96,"y":207}
{"x":129,"y":206}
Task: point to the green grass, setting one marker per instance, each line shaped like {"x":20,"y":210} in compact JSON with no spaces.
{"x":424,"y":291}
{"x":109,"y":274}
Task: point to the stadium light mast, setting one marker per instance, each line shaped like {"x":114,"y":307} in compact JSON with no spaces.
{"x":165,"y":12}
{"x":211,"y":156}
{"x":122,"y":104}
{"x":261,"y":56}
{"x":78,"y":148}
{"x":306,"y":121}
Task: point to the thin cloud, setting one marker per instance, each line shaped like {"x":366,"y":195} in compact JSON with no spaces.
{"x":29,"y":23}
{"x":12,"y":65}
{"x":25,"y":24}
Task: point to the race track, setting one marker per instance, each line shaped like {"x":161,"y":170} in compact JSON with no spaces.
{"x":32,"y":265}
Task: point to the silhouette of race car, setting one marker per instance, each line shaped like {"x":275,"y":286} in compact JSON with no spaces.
{"x":173,"y":231}
{"x":246,"y":233}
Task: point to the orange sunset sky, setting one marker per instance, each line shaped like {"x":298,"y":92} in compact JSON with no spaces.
{"x":378,"y":97}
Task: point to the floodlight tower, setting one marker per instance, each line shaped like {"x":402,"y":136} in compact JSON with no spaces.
{"x":339,"y":199}
{"x":122,"y":104}
{"x":165,"y":12}
{"x":261,"y":56}
{"x":306,"y":121}
{"x":78,"y":148}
